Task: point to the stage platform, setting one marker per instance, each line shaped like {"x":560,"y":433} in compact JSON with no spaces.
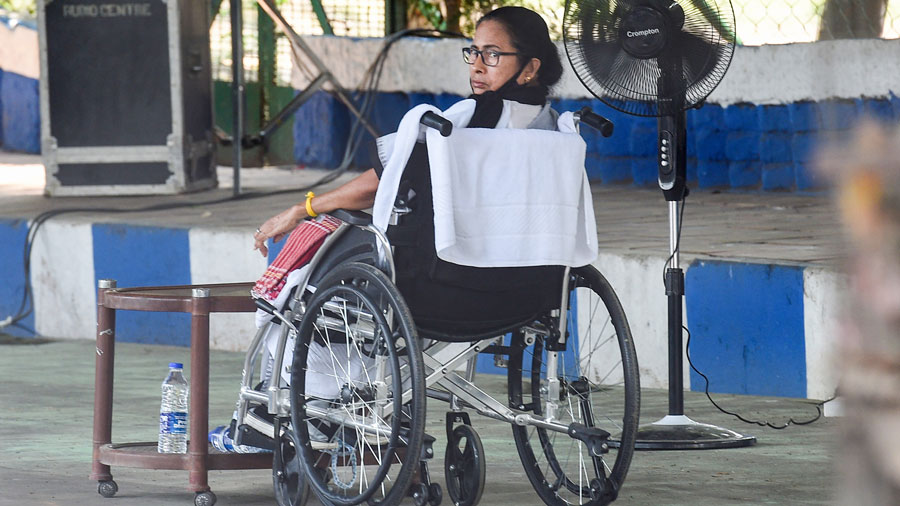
{"x":763,"y":270}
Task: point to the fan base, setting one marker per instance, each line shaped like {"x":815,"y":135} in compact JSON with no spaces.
{"x":678,"y":432}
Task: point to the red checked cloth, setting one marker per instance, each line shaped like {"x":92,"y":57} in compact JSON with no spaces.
{"x":299,"y":249}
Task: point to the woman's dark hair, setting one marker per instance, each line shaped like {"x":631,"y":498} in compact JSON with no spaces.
{"x":531,"y":38}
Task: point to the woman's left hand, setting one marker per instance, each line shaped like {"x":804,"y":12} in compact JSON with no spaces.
{"x":277,"y":227}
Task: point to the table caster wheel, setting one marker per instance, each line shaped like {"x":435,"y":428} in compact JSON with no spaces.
{"x":205,"y":498}
{"x":435,"y":494}
{"x":107,"y":488}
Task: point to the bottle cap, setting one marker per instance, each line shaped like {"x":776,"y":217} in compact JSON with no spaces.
{"x":176,"y":365}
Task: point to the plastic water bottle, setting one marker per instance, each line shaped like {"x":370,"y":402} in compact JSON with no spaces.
{"x":221,"y":439}
{"x":173,"y":412}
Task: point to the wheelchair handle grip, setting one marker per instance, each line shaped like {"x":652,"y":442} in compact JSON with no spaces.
{"x":595,"y":121}
{"x":437,"y":122}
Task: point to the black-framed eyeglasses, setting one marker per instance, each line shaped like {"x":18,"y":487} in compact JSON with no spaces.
{"x":490,"y":57}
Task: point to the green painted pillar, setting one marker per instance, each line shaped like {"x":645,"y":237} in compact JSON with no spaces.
{"x":394,"y":16}
{"x":265,"y":30}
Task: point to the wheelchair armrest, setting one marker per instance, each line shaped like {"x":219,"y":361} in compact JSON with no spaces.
{"x":357,"y":218}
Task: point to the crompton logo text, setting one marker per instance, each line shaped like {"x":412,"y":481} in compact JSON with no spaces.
{"x":642,"y":33}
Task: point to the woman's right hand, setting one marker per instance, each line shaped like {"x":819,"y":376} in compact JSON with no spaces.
{"x":356,"y":194}
{"x":277,"y":227}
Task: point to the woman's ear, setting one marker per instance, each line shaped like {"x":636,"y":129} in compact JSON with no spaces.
{"x":529,"y":72}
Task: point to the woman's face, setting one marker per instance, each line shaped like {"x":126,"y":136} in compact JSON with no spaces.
{"x":491,"y":35}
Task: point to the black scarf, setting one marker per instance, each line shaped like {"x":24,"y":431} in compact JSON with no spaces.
{"x":489,"y":104}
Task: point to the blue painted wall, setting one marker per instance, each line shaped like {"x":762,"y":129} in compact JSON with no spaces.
{"x":20,"y":124}
{"x":759,"y":348}
{"x":12,"y":288}
{"x":145,"y":256}
{"x":741,"y":146}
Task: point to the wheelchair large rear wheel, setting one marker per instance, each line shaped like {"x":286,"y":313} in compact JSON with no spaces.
{"x":599,"y":387}
{"x":358,"y":390}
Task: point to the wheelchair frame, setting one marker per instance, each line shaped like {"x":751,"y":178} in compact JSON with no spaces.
{"x":441,"y":360}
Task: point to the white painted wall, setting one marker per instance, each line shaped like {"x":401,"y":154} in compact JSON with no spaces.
{"x":62,"y":280}
{"x":637,"y":281}
{"x":19,"y":50}
{"x":824,"y":310}
{"x":772,"y":74}
{"x":226,"y":256}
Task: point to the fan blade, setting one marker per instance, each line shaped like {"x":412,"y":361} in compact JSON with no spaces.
{"x":715,"y":15}
{"x":698,"y":56}
{"x":638,"y":77}
{"x":601,"y":56}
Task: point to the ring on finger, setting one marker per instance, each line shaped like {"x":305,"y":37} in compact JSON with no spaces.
{"x":258,"y":231}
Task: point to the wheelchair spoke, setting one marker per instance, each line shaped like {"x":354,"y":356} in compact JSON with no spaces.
{"x":600,"y":391}
{"x":348,"y":385}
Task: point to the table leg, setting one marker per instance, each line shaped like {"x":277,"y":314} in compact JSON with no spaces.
{"x":198,"y":448}
{"x":103,"y":380}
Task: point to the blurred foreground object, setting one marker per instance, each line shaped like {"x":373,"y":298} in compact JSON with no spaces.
{"x":126,"y":91}
{"x":866,"y":173}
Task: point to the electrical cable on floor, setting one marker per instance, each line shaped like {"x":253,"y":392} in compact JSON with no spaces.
{"x":372,"y":78}
{"x":761,"y":423}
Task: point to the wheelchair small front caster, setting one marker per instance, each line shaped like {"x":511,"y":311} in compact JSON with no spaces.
{"x":464,"y":467}
{"x":205,"y":498}
{"x":107,"y":488}
{"x":423,"y":494}
{"x":435,"y":494}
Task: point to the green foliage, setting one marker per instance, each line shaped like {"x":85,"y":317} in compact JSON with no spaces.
{"x":25,"y":8}
{"x":432,"y":13}
{"x":472,"y":10}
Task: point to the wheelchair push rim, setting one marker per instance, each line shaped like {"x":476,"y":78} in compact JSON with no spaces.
{"x":357,"y":441}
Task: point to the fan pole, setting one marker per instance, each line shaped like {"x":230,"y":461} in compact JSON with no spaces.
{"x":674,"y":295}
{"x":676,"y":431}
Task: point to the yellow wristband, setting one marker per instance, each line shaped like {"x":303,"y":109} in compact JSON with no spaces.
{"x":309,"y":209}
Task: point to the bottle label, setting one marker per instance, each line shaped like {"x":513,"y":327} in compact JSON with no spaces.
{"x":173,"y":423}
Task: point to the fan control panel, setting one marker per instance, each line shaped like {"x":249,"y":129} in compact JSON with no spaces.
{"x":671,"y":157}
{"x":665,"y":157}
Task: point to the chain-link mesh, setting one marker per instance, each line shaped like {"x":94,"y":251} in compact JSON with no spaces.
{"x":347,"y":18}
{"x":758,"y":22}
{"x":785,"y":21}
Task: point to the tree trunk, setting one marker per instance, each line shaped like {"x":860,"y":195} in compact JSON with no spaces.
{"x":852,"y":19}
{"x":453,"y":11}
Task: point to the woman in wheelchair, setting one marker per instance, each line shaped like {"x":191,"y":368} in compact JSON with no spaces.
{"x":368,"y":324}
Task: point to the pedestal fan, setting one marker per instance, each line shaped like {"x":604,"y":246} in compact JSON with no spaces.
{"x":659,"y":58}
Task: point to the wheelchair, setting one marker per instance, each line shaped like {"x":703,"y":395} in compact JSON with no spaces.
{"x":368,"y":351}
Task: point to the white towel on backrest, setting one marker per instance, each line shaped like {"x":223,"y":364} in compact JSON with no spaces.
{"x":502,"y":197}
{"x":395,"y":149}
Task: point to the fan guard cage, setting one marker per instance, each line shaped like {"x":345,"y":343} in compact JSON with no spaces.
{"x":591,"y":34}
